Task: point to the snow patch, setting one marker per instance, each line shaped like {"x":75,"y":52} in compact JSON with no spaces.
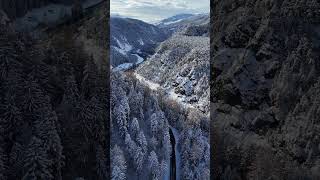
{"x":123,"y":67}
{"x":121,"y":51}
{"x":172,"y":22}
{"x":151,"y":85}
{"x":169,"y":92}
{"x":141,"y":42}
{"x":124,"y":46}
{"x":139,"y":60}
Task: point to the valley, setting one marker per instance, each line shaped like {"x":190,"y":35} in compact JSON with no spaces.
{"x":172,"y":115}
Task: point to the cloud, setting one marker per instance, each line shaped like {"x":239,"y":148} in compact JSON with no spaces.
{"x":155,"y":10}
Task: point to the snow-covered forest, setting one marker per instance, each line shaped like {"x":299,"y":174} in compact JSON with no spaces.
{"x":159,"y":108}
{"x":53,"y":96}
{"x":140,"y":135}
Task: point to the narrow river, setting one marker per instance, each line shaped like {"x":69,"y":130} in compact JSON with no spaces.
{"x":173,"y":157}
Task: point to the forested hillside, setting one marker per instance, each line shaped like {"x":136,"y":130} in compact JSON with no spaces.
{"x":160,"y":110}
{"x":265,"y":89}
{"x":53,"y":100}
{"x":132,"y":41}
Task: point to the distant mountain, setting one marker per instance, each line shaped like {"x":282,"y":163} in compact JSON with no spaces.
{"x":174,"y":19}
{"x":181,"y":22}
{"x":132,"y":40}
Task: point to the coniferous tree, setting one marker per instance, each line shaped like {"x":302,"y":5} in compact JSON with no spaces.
{"x":154,"y":124}
{"x":33,"y":95}
{"x":3,"y":157}
{"x":36,"y":163}
{"x":154,"y":165}
{"x":101,"y":163}
{"x":120,"y":118}
{"x":89,"y":80}
{"x":142,"y":141}
{"x":163,"y":168}
{"x":138,"y":159}
{"x":118,"y":164}
{"x":166,"y":144}
{"x":134,"y":127}
{"x":71,"y":95}
{"x":153,"y":142}
{"x":45,"y":128}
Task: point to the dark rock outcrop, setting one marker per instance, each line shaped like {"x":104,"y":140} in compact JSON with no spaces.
{"x":265,"y":69}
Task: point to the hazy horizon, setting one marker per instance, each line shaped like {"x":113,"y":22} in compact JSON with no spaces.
{"x":154,"y":11}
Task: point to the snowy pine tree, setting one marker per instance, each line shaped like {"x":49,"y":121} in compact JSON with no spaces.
{"x":142,"y":141}
{"x":154,"y":124}
{"x":37,"y":164}
{"x":118,"y":164}
{"x":130,"y":145}
{"x":71,"y":95}
{"x":138,"y":159}
{"x":154,"y":165}
{"x":153,"y":142}
{"x":166,"y":144}
{"x":134,"y":127}
{"x":120,"y":118}
{"x":164,"y":168}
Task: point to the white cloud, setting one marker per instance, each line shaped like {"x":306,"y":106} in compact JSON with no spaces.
{"x":155,"y":10}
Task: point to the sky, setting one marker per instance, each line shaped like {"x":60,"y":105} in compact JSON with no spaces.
{"x":155,"y":10}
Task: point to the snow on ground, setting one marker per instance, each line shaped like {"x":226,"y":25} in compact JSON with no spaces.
{"x":121,"y":51}
{"x":172,"y":22}
{"x":151,"y":85}
{"x":180,"y":99}
{"x":177,"y":152}
{"x":169,"y":92}
{"x":125,"y":47}
{"x":141,"y":42}
{"x":123,"y":67}
{"x":140,"y":59}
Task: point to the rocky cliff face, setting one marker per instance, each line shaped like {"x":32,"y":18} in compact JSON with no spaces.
{"x":265,"y":89}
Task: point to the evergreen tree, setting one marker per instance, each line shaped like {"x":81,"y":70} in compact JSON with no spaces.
{"x":45,"y":128}
{"x":131,"y":145}
{"x":134,"y":127}
{"x":166,"y":144}
{"x":3,"y":157}
{"x":2,"y":165}
{"x":36,"y":163}
{"x":154,"y":124}
{"x":154,"y":165}
{"x":33,"y":95}
{"x":153,"y":142}
{"x":138,"y":159}
{"x":142,"y":141}
{"x":11,"y":115}
{"x":164,"y":168}
{"x":135,"y":103}
{"x":118,"y":164}
{"x":71,"y":94}
{"x":101,"y":163}
{"x":89,"y":81}
{"x":120,"y":118}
